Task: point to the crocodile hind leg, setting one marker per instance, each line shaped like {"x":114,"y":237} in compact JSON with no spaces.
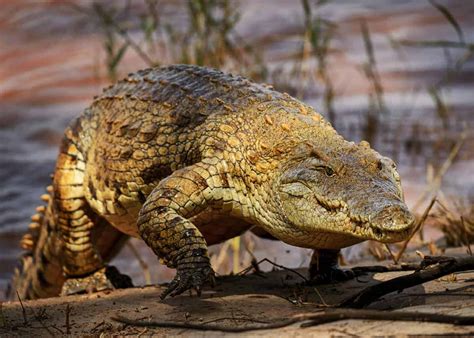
{"x":107,"y":241}
{"x":82,"y":262}
{"x":325,"y":269}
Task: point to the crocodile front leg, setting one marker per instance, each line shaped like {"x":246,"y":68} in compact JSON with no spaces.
{"x":324,"y":268}
{"x":164,"y":225}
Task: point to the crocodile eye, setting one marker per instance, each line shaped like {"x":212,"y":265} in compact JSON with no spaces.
{"x":327,"y":170}
{"x":379,"y":165}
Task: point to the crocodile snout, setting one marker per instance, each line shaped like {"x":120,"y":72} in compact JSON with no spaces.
{"x":395,"y":217}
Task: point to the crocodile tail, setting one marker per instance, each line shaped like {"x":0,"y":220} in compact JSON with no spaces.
{"x":39,"y":273}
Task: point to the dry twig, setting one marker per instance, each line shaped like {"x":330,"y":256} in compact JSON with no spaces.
{"x":436,"y":182}
{"x":25,"y":320}
{"x":361,"y":270}
{"x":432,"y":267}
{"x":246,"y":270}
{"x":415,"y":230}
{"x":311,"y":319}
{"x":68,"y":324}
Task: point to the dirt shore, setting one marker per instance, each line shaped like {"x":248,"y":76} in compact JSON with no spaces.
{"x":239,"y":301}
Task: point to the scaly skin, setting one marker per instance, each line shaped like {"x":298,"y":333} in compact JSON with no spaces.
{"x":185,"y":157}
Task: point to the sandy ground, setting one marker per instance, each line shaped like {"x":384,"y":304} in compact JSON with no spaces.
{"x":240,"y":301}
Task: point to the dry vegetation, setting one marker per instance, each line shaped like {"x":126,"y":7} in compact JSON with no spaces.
{"x":209,"y":38}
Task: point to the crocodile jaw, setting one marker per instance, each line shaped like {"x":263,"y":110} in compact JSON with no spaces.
{"x":313,"y":214}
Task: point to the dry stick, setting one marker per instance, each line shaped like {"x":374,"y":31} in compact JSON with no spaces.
{"x":468,"y":244}
{"x":360,"y":270}
{"x":143,"y":265}
{"x":68,"y":325}
{"x":326,"y":316}
{"x":25,"y":321}
{"x":2,"y":317}
{"x":57,"y":328}
{"x":435,"y":294}
{"x":122,"y":32}
{"x":417,"y":228}
{"x":38,"y":318}
{"x":444,"y":266}
{"x":392,"y":256}
{"x":436,"y":182}
{"x":339,"y":314}
{"x":321,"y":297}
{"x":141,"y":333}
{"x":236,"y":319}
{"x":206,"y":327}
{"x":246,"y":270}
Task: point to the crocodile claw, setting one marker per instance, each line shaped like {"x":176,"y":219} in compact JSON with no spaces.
{"x":187,"y":279}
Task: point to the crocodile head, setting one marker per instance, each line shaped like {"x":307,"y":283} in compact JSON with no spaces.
{"x":344,"y":189}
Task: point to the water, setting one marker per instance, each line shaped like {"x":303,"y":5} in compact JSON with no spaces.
{"x":51,"y":64}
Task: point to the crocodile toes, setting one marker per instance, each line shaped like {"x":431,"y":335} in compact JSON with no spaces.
{"x":187,"y":279}
{"x":107,"y":278}
{"x":331,"y":274}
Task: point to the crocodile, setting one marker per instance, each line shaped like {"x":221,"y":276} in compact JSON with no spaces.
{"x":184,"y":157}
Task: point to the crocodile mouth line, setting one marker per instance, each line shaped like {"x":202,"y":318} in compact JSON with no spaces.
{"x":357,"y":225}
{"x":361,"y":226}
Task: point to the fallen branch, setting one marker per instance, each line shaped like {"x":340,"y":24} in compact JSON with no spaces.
{"x":361,"y":270}
{"x":417,"y":228}
{"x":68,"y":324}
{"x":255,"y":265}
{"x":432,"y":267}
{"x":339,"y":314}
{"x":25,"y":320}
{"x":311,"y":319}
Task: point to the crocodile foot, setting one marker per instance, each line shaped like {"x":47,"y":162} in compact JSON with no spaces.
{"x":330,"y":274}
{"x":107,"y":278}
{"x":187,"y":279}
{"x":324,"y":269}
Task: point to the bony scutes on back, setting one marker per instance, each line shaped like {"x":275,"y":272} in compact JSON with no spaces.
{"x":186,"y":156}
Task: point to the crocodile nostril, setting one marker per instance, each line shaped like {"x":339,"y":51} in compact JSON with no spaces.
{"x":394,"y":218}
